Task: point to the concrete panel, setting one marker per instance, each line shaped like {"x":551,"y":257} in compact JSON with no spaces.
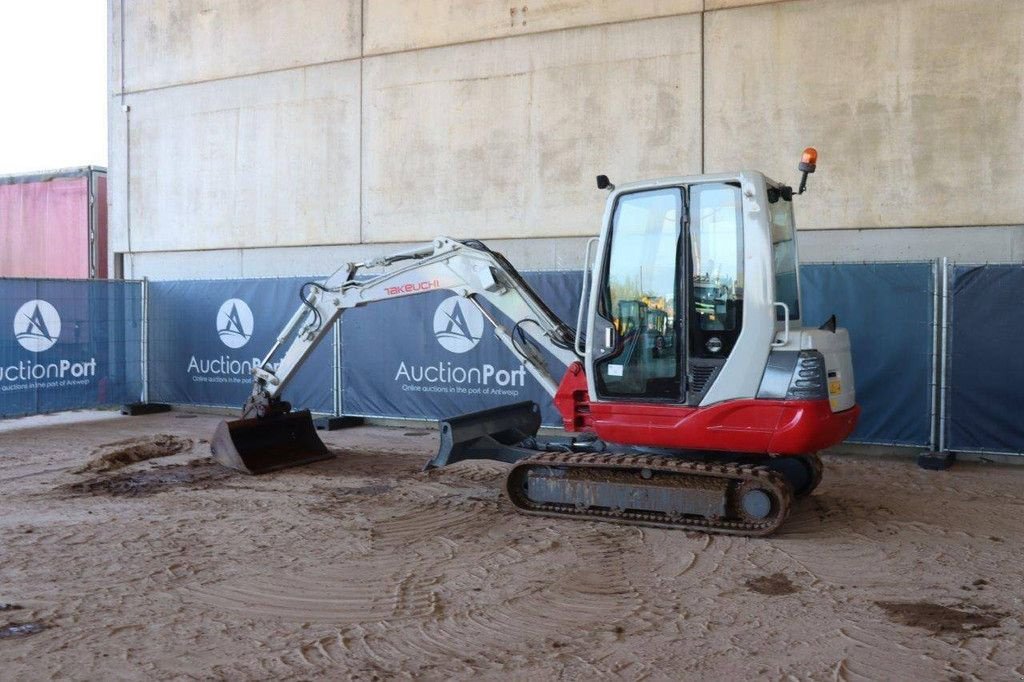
{"x":113,"y":46}
{"x":710,"y":5}
{"x":504,"y":138}
{"x":916,"y":106}
{"x":175,"y":265}
{"x":317,"y":261}
{"x":960,"y":244}
{"x":397,"y":25}
{"x":266,"y":160}
{"x":186,"y":41}
{"x":117,"y":179}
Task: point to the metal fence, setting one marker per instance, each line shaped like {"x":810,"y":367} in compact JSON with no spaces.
{"x":204,"y":337}
{"x":69,"y":344}
{"x":983,"y":368}
{"x":934,"y":347}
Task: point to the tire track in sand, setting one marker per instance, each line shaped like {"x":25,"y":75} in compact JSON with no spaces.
{"x":471,"y":632}
{"x":451,"y":585}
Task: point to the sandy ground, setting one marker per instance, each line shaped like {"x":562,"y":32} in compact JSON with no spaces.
{"x":364,"y":567}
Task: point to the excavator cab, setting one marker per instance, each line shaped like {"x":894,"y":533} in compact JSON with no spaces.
{"x":708,"y":267}
{"x":682,"y":251}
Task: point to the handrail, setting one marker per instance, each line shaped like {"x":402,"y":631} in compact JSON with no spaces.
{"x":785,"y":331}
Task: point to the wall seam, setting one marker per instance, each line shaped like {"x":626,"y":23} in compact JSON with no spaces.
{"x":362,"y":104}
{"x":125,"y":111}
{"x":362,"y":55}
{"x":703,"y":90}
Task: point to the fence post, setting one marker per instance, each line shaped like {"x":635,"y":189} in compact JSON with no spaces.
{"x":933,"y":438}
{"x":943,"y":374}
{"x":145,"y":340}
{"x":336,"y":386}
{"x":144,"y":406}
{"x":938,"y":457}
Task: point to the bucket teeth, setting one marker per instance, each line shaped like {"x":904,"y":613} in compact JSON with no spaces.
{"x":256,"y":446}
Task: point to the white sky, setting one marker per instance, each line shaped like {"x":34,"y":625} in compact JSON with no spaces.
{"x":53,"y":82}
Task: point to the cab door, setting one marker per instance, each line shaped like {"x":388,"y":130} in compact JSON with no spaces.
{"x":668,"y":302}
{"x":638,"y":350}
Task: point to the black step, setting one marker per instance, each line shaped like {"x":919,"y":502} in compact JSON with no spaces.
{"x":137,"y":409}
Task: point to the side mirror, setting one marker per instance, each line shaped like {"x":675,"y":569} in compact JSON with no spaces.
{"x":604,"y":183}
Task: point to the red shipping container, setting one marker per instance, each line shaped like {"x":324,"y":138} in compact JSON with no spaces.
{"x":54,"y":224}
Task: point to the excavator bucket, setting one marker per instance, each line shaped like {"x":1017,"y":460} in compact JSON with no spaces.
{"x":488,"y":434}
{"x":256,"y":446}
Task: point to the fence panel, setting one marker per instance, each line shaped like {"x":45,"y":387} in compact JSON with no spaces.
{"x":206,"y":335}
{"x":433,"y":355}
{"x":69,"y":344}
{"x":985,"y":366}
{"x":888,"y":309}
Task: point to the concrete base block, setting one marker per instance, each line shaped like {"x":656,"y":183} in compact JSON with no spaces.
{"x":335,"y":423}
{"x":136,"y":409}
{"x":936,"y":461}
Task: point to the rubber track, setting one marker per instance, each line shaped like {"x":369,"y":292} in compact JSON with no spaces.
{"x":817,"y":470}
{"x":736,"y":472}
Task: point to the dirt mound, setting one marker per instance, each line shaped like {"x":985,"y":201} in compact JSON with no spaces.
{"x":199,"y":473}
{"x":772,"y":585}
{"x":940,"y":619}
{"x":117,"y":455}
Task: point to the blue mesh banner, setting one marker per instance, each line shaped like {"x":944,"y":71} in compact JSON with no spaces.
{"x":888,"y":310}
{"x":986,"y":367}
{"x":434,"y":355}
{"x":69,"y":344}
{"x":205,"y":336}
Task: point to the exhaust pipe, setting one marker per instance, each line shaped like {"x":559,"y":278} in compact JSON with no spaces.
{"x":257,"y":446}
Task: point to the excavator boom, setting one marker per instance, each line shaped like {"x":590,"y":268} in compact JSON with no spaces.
{"x":270,"y":436}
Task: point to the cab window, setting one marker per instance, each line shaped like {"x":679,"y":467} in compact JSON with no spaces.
{"x":716,"y":252}
{"x":780,"y":213}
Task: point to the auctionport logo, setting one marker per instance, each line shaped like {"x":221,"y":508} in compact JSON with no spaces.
{"x":37,"y":326}
{"x":458,"y":328}
{"x":458,"y":325}
{"x":234,"y":323}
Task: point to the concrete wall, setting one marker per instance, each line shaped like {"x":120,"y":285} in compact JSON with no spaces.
{"x":916,"y":106}
{"x":402,"y":25}
{"x":253,"y":137}
{"x":172,"y":42}
{"x":503,"y":138}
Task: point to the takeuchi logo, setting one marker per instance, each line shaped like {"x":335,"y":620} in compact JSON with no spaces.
{"x":458,"y":325}
{"x":37,"y":325}
{"x":234,"y":323}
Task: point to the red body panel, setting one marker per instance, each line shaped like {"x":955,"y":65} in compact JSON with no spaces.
{"x":778,"y":427}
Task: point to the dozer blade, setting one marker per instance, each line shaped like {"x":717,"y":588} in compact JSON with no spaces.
{"x":256,"y":446}
{"x":488,"y":434}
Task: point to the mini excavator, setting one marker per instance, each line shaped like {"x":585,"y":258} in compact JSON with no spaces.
{"x":697,"y":397}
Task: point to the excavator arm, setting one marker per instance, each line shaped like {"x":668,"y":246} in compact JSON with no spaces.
{"x":468,"y":269}
{"x":270,"y":436}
